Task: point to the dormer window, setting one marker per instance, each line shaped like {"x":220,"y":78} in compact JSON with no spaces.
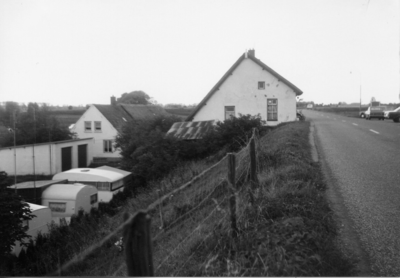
{"x":261,"y":85}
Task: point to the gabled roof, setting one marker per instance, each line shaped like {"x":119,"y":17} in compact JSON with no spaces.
{"x":250,"y":55}
{"x":140,"y":112}
{"x":115,"y":114}
{"x":119,"y":114}
{"x":190,"y":130}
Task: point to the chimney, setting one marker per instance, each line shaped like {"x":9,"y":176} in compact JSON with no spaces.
{"x":113,"y":100}
{"x":252,"y":53}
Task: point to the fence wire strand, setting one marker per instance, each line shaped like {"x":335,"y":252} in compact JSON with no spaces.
{"x":205,"y":182}
{"x":197,"y":228}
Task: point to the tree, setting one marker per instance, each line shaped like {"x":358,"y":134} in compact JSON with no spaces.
{"x":13,"y":212}
{"x":33,"y":126}
{"x":135,"y":97}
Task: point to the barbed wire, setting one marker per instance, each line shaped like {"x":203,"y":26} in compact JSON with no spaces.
{"x":197,"y":228}
{"x":160,"y":201}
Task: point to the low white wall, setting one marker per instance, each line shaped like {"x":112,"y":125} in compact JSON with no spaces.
{"x":47,"y":157}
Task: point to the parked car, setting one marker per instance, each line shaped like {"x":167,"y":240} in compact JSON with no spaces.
{"x":393,"y":114}
{"x":375,"y":112}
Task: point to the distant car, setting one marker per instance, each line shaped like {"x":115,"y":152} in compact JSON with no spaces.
{"x":393,"y":114}
{"x":375,"y":112}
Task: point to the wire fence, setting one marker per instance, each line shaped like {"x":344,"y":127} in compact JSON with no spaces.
{"x":174,"y":235}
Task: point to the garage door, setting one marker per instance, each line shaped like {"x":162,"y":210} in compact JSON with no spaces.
{"x":82,"y":156}
{"x":66,"y":159}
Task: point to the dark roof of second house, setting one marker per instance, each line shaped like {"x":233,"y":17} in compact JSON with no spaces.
{"x":119,"y":114}
{"x":114,"y":114}
{"x":250,"y":54}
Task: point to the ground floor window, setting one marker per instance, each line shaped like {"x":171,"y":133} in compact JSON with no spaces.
{"x":229,"y":112}
{"x":272,"y":109}
{"x":107,"y":146}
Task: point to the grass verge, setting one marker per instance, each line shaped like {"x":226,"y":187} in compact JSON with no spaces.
{"x":289,"y":230}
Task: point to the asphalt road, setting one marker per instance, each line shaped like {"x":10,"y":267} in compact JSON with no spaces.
{"x":363,"y":158}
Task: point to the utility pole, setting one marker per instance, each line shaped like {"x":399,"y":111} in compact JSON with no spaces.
{"x":33,"y":150}
{"x":15,"y":158}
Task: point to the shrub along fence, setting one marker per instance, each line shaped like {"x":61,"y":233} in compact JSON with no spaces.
{"x":165,"y":238}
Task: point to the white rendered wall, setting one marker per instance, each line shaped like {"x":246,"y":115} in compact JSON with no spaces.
{"x":241,"y":90}
{"x":47,"y":157}
{"x":108,"y":132}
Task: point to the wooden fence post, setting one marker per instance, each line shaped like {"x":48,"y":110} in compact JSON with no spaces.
{"x":160,"y":209}
{"x":232,"y":191}
{"x":137,"y":245}
{"x":253,"y":164}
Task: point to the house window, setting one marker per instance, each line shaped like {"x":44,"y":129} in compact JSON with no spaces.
{"x":93,"y":199}
{"x":88,"y":126}
{"x":229,"y":112}
{"x":272,"y":109}
{"x":261,"y":85}
{"x":97,"y":126}
{"x":57,"y":207}
{"x":107,"y":146}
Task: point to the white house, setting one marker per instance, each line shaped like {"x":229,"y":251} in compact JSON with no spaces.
{"x":38,"y":224}
{"x":103,"y":122}
{"x":108,"y":180}
{"x":65,"y":200}
{"x":46,"y":158}
{"x":249,"y":87}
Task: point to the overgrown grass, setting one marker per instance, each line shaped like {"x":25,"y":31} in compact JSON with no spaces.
{"x":289,"y":231}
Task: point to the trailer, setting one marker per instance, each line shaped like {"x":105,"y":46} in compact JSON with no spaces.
{"x":38,"y":224}
{"x":108,"y":180}
{"x":65,"y":200}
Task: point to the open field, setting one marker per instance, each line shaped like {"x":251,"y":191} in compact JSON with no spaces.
{"x":285,"y":226}
{"x":344,"y":111}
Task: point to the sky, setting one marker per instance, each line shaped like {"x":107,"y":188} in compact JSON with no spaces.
{"x":83,"y":52}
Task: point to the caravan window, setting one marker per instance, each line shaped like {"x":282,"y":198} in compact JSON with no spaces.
{"x":57,"y":207}
{"x":117,"y":184}
{"x":93,"y":199}
{"x":103,"y":186}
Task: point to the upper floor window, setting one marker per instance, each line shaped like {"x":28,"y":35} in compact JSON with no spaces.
{"x":97,"y":126}
{"x":229,"y":112}
{"x":88,"y":126}
{"x":261,"y":85}
{"x":272,"y":109}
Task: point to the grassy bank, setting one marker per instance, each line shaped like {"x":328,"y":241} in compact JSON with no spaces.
{"x":289,"y":231}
